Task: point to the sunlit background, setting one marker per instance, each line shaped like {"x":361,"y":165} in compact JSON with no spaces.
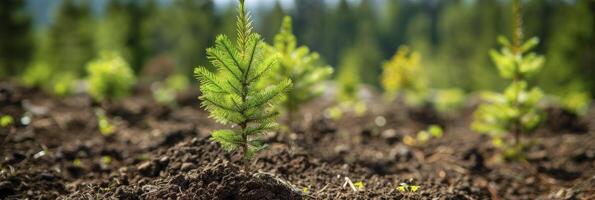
{"x":158,"y":37}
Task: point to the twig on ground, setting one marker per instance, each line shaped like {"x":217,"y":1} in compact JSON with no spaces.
{"x":350,"y":183}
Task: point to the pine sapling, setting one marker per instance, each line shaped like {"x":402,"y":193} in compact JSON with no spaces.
{"x":348,"y":81}
{"x":302,"y":66}
{"x":232,"y":94}
{"x":401,"y":74}
{"x":110,"y":77}
{"x":515,"y":111}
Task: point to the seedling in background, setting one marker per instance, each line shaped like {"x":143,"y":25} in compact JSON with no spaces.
{"x":348,"y":85}
{"x":165,"y":92}
{"x":447,"y":101}
{"x":110,"y":77}
{"x":407,"y":188}
{"x":37,"y":75}
{"x":576,"y":102}
{"x":402,"y":75}
{"x":433,"y":131}
{"x":106,"y":160}
{"x":6,"y":120}
{"x":231,"y":94}
{"x":303,"y":67}
{"x":63,"y":84}
{"x":105,"y":127}
{"x":516,"y":110}
{"x":40,"y":74}
{"x":359,"y":185}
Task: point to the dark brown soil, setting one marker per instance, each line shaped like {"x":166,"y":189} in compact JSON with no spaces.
{"x":159,"y":152}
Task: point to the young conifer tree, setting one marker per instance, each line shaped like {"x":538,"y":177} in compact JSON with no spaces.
{"x":402,"y":74}
{"x":515,"y":111}
{"x":231,"y":93}
{"x":302,"y":66}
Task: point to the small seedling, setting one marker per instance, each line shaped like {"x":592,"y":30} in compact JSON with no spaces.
{"x":165,"y":92}
{"x":402,"y":74}
{"x":106,"y":160}
{"x":6,"y":120}
{"x":63,"y":84}
{"x":77,"y":162}
{"x":37,"y":75}
{"x":359,"y":185}
{"x":302,"y":66}
{"x":406,"y":188}
{"x":516,"y":110}
{"x":348,"y":86}
{"x":110,"y":77}
{"x":447,"y":101}
{"x":433,"y":131}
{"x":105,"y":127}
{"x":576,"y":102}
{"x":231,"y":94}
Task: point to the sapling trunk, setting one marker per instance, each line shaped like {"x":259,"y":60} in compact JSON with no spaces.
{"x":245,"y":161}
{"x":517,"y":51}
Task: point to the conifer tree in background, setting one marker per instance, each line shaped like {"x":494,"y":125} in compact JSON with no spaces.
{"x":62,"y":51}
{"x":313,"y":28}
{"x":348,"y":83}
{"x":303,"y":67}
{"x":180,"y":30}
{"x":70,"y":38}
{"x":271,"y":21}
{"x":109,"y":77}
{"x":231,"y":94}
{"x":516,"y":110}
{"x":113,"y":31}
{"x":15,"y":37}
{"x":401,"y":74}
{"x":122,"y":30}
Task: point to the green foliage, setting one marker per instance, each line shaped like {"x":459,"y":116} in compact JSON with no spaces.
{"x":303,"y":67}
{"x":69,"y":39}
{"x":516,"y":110}
{"x":6,"y":120}
{"x":109,"y":77}
{"x":40,"y":75}
{"x":37,"y":75}
{"x":448,"y":100}
{"x":348,"y":85}
{"x":106,"y":160}
{"x":433,"y":131}
{"x":231,"y":94}
{"x":402,"y":73}
{"x":405,"y":187}
{"x":15,"y":42}
{"x":165,"y":92}
{"x":182,"y":29}
{"x":105,"y":127}
{"x":576,"y":102}
{"x":513,"y":64}
{"x":63,"y":84}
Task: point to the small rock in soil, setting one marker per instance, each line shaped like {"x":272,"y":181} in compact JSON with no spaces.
{"x":188,"y":166}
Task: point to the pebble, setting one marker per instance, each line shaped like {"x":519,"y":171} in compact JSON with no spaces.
{"x":145,"y":168}
{"x":188,"y":166}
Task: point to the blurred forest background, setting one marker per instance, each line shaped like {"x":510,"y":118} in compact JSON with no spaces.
{"x":453,"y":36}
